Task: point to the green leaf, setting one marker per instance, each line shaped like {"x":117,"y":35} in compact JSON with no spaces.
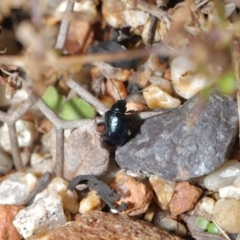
{"x":228,"y":83}
{"x":212,"y":228}
{"x":77,"y":108}
{"x":202,"y":223}
{"x":52,"y":98}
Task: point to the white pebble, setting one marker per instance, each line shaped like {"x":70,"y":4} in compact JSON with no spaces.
{"x":91,"y":202}
{"x":40,"y":217}
{"x":156,"y":98}
{"x":135,"y":18}
{"x":16,"y":188}
{"x":69,"y":199}
{"x":25,"y":134}
{"x":5,"y":163}
{"x":205,"y":207}
{"x":41,"y":164}
{"x":230,"y":192}
{"x":186,"y":82}
{"x":224,"y":176}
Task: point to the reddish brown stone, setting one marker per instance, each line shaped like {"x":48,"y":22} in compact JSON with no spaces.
{"x":136,"y":194}
{"x":99,"y":225}
{"x":184,"y":198}
{"x":7,"y":229}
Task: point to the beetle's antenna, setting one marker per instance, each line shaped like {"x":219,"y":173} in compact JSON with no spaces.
{"x":140,"y":91}
{"x":116,"y":88}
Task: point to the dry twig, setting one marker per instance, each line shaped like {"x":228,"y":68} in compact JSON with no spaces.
{"x":63,"y":31}
{"x":15,"y":147}
{"x":87,"y":96}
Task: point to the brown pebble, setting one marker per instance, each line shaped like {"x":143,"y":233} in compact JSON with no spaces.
{"x":184,"y":198}
{"x":136,"y":194}
{"x":163,"y":189}
{"x":7,"y":229}
{"x":108,"y":226}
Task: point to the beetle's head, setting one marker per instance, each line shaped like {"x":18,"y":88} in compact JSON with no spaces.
{"x":120,"y":106}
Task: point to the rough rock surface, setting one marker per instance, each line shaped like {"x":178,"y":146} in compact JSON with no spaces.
{"x":107,"y":226}
{"x":184,"y":198}
{"x":190,"y":141}
{"x":223,"y":176}
{"x":40,"y":217}
{"x":136,"y":194}
{"x":163,"y":189}
{"x":7,"y":230}
{"x":84,"y":153}
{"x":227,"y":215}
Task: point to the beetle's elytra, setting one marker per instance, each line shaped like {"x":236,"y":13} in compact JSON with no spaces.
{"x":116,"y":125}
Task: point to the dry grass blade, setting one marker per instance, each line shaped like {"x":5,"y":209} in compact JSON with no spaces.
{"x":221,"y":230}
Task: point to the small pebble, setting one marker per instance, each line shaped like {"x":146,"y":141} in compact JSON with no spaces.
{"x":41,"y":164}
{"x":230,"y":192}
{"x":16,"y":188}
{"x":116,"y":89}
{"x":204,"y":208}
{"x":136,"y":194}
{"x":171,"y":225}
{"x":156,"y":98}
{"x":25,"y":134}
{"x":184,"y":198}
{"x":224,"y":176}
{"x":69,"y":199}
{"x":42,"y":216}
{"x":163,"y":189}
{"x":185,"y":81}
{"x":149,"y":214}
{"x":84,"y":153}
{"x":91,"y":202}
{"x":7,"y":230}
{"x":227,"y":215}
{"x":164,"y":84}
{"x":135,"y":18}
{"x":5,"y":163}
{"x":142,"y":78}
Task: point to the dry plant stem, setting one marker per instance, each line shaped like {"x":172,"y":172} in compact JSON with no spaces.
{"x":25,"y":106}
{"x":60,"y":125}
{"x":65,"y":62}
{"x":221,"y":230}
{"x":153,"y":10}
{"x":19,"y":112}
{"x":152,"y":30}
{"x":87,"y":96}
{"x":56,"y":121}
{"x":63,"y":31}
{"x":11,"y":119}
{"x":15,"y":147}
{"x":59,"y":152}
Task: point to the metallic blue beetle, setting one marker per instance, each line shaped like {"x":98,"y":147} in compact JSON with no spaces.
{"x":116,"y":125}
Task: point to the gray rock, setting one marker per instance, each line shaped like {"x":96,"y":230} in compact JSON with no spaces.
{"x":188,"y":142}
{"x":84,"y":154}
